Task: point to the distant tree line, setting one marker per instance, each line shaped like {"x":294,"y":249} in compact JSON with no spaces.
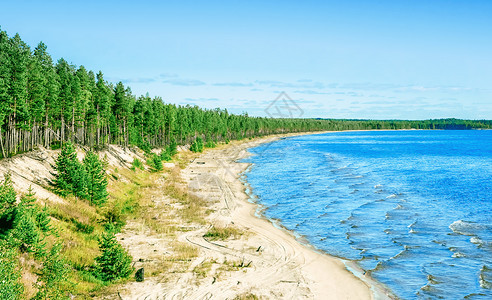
{"x":43,"y":103}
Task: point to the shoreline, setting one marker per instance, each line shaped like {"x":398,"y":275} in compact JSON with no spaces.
{"x":263,"y":261}
{"x":329,"y":277}
{"x":378,"y":290}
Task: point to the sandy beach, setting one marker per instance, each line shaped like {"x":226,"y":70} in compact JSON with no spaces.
{"x":269,"y":262}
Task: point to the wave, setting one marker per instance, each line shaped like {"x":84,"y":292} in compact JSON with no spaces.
{"x":393,"y":196}
{"x":466,"y":228}
{"x":485,"y":277}
{"x":458,"y":255}
{"x":399,"y":206}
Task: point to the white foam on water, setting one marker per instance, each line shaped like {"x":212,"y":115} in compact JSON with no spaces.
{"x":465,"y":228}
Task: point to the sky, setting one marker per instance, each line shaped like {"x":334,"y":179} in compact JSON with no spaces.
{"x":381,"y":59}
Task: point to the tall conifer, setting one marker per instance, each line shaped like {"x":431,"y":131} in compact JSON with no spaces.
{"x":96,"y":179}
{"x":70,"y":176}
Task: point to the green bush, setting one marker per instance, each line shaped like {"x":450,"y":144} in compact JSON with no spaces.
{"x":210,"y":142}
{"x":155,"y":163}
{"x":197,"y":145}
{"x":86,"y":180}
{"x":114,"y":262}
{"x":55,"y":145}
{"x":137,"y":164}
{"x":165,"y":156}
{"x":168,"y":153}
{"x":172,"y":149}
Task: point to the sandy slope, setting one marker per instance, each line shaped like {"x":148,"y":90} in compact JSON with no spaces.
{"x":278,"y":266}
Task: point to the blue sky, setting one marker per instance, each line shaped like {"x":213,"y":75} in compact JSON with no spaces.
{"x":335,"y":59}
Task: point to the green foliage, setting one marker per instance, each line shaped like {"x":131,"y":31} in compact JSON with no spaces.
{"x":7,"y":203}
{"x":114,"y":262}
{"x":155,"y":163}
{"x":23,"y":225}
{"x":52,"y":282}
{"x":137,"y":164}
{"x":85,"y":180}
{"x":165,"y":156}
{"x":172,"y":149}
{"x":81,"y":227}
{"x":55,"y":145}
{"x":97,"y":181}
{"x":197,"y":145}
{"x":169,"y":151}
{"x":210,"y":142}
{"x":70,"y":176}
{"x":46,"y":103}
{"x":10,"y":286}
{"x":25,"y":233}
{"x":30,"y":226}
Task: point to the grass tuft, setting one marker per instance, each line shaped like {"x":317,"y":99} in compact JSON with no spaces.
{"x":222,"y":233}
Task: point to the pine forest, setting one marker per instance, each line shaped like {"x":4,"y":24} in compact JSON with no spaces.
{"x":46,"y":103}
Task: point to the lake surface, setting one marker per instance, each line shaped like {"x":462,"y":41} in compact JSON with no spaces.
{"x":412,"y":208}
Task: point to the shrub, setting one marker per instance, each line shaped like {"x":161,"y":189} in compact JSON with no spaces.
{"x":210,"y":142}
{"x":197,"y":145}
{"x":155,"y":163}
{"x":172,"y":149}
{"x":165,"y":156}
{"x":137,"y":164}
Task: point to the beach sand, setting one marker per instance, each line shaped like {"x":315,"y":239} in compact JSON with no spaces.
{"x":266,"y":261}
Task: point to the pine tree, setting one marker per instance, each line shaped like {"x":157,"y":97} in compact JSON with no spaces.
{"x":5,"y":96}
{"x":25,"y":233}
{"x":7,"y":204}
{"x":114,"y":262}
{"x":96,"y":179}
{"x":70,"y":176}
{"x":49,"y":91}
{"x":19,"y":115}
{"x":29,"y":225}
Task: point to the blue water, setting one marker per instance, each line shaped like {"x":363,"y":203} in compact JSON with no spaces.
{"x":413,"y":208}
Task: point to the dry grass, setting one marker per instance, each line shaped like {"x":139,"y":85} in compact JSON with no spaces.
{"x":223,"y":233}
{"x":247,"y":296}
{"x":183,"y":252}
{"x":193,"y":207}
{"x":75,"y":209}
{"x":202,"y":270}
{"x":235,"y":265}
